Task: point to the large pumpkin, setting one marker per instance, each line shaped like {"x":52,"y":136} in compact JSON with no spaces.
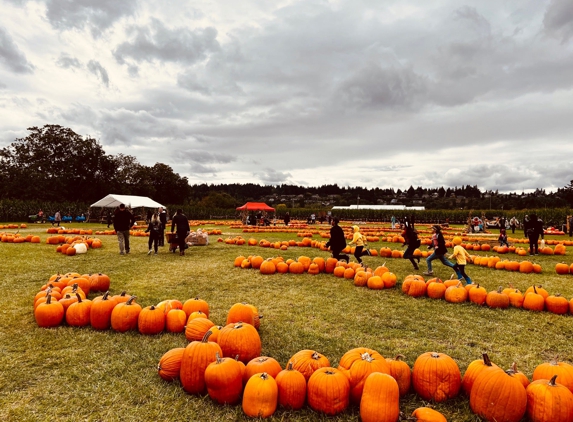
{"x":548,"y":401}
{"x":124,"y":315}
{"x":260,"y":396}
{"x":240,"y":339}
{"x":357,"y":364}
{"x":196,"y":357}
{"x":169,"y":365}
{"x":498,"y":396}
{"x":380,"y":401}
{"x":436,"y":376}
{"x":224,"y":380}
{"x":307,"y":361}
{"x":292,"y":388}
{"x":563,"y":370}
{"x":328,"y":391}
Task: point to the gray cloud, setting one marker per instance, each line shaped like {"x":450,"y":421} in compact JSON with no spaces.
{"x":65,"y":61}
{"x":96,"y":15}
{"x":272,"y":176}
{"x":11,"y":56}
{"x":97,"y":69}
{"x":558,"y":19}
{"x":157,"y":42}
{"x":204,"y":157}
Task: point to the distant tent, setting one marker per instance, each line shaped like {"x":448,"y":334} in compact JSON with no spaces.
{"x":255,"y":206}
{"x":113,"y":200}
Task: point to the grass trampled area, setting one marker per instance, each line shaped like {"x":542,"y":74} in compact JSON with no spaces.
{"x":82,"y":374}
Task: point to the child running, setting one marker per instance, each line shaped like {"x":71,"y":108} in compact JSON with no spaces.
{"x":359,"y":240}
{"x":462,"y":258}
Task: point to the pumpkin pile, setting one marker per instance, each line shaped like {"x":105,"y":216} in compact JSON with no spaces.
{"x":535,"y":298}
{"x":18,"y":238}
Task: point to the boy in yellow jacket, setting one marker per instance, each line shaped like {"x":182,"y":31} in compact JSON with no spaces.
{"x":462,"y":258}
{"x":359,"y":240}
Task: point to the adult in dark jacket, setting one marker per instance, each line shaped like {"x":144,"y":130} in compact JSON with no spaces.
{"x":163,"y":220}
{"x":533,"y":230}
{"x":180,"y":224}
{"x":287,"y":218}
{"x":123,"y":220}
{"x":440,"y":249}
{"x":411,"y":239}
{"x":337,"y":241}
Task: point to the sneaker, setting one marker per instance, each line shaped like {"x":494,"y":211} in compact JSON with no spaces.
{"x":428,"y":273}
{"x":416,"y":268}
{"x":121,"y":253}
{"x":149,"y":253}
{"x":155,"y":253}
{"x":126,"y":252}
{"x":368,"y":252}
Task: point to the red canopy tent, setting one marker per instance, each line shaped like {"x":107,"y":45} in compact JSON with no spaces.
{"x":255,"y":206}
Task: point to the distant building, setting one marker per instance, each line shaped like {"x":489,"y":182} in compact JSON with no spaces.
{"x":379,"y":207}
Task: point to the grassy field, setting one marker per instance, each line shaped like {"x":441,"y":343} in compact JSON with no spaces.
{"x":82,"y":374}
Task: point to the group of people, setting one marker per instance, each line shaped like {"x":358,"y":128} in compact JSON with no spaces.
{"x":123,"y":221}
{"x":337,"y":244}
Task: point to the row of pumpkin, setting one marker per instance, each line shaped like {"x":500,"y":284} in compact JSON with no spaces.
{"x":535,"y":298}
{"x":366,"y":379}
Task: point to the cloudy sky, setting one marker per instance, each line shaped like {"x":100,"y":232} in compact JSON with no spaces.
{"x":387,"y":93}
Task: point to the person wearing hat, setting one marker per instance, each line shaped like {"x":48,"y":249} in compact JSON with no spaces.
{"x":359,"y":240}
{"x":337,"y":241}
{"x":440,"y":250}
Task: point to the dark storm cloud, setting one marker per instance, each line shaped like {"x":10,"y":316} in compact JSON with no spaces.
{"x":11,"y":56}
{"x":157,"y":42}
{"x":66,"y":62}
{"x":97,"y":69}
{"x":558,"y":19}
{"x":96,"y":15}
{"x":272,"y":176}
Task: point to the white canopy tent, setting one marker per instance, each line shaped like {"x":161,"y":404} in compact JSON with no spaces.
{"x":112,"y":200}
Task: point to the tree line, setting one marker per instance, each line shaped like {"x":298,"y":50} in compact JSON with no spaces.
{"x":55,"y":164}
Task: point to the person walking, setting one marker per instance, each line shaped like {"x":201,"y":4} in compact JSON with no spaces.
{"x":503,"y":238}
{"x":154,"y":230}
{"x":180,"y":225}
{"x":359,"y":240}
{"x":439,"y":246}
{"x":411,"y":239}
{"x":337,"y":241}
{"x":57,"y":218}
{"x":109,"y":218}
{"x":163,"y":220}
{"x":462,"y":257}
{"x":123,"y":220}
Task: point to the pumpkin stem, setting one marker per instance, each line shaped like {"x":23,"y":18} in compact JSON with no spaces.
{"x":79,"y":297}
{"x":218,"y":357}
{"x":400,"y":357}
{"x":264,"y":376}
{"x":206,"y":336}
{"x":130,"y":300}
{"x":315,"y":356}
{"x":552,"y":380}
{"x":290,"y":366}
{"x":105,"y":295}
{"x":49,"y":299}
{"x":366,"y":356}
{"x":486,"y":360}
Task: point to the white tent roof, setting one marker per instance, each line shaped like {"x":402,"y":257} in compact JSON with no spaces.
{"x":113,"y":200}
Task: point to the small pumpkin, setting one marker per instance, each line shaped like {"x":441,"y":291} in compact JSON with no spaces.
{"x":169,"y":365}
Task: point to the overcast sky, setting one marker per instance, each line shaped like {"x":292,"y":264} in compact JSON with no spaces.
{"x":387,"y":93}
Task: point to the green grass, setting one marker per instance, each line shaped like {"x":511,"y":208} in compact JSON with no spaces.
{"x":82,"y":374}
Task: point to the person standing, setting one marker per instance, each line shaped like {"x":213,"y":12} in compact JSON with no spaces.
{"x":57,"y":218}
{"x":462,"y":257}
{"x":570,"y":225}
{"x":533,"y":230}
{"x":163,"y":220}
{"x":180,"y":225}
{"x":359,"y":240}
{"x":337,"y":241}
{"x":411,"y":239}
{"x":502,"y":238}
{"x":287,"y":218}
{"x":154,"y":230}
{"x":513,"y":224}
{"x":123,"y":220}
{"x":393,"y":220}
{"x":109,"y":218}
{"x":439,"y":246}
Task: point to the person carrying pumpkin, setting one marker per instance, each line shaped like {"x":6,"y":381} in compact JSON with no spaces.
{"x":462,"y":257}
{"x":440,"y":249}
{"x":359,"y":240}
{"x":337,"y":241}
